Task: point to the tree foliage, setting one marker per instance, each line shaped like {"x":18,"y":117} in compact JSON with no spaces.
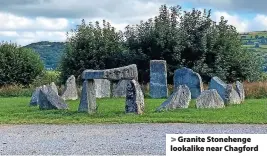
{"x":18,"y":65}
{"x":90,"y":46}
{"x":182,"y":38}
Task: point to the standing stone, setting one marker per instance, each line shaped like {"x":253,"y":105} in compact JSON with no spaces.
{"x":119,"y":88}
{"x":102,"y":87}
{"x":134,"y":98}
{"x":227,"y":92}
{"x":180,"y":98}
{"x":188,"y":77}
{"x":88,"y":97}
{"x":232,"y":96}
{"x":209,"y":99}
{"x":54,"y":87}
{"x":158,"y":79}
{"x":240,"y":90}
{"x":70,"y":91}
{"x":35,"y":97}
{"x":48,"y":99}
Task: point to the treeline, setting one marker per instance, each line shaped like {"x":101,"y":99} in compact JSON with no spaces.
{"x":184,"y":39}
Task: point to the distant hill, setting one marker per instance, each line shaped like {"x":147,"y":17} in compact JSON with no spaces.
{"x":257,"y":42}
{"x":50,"y":52}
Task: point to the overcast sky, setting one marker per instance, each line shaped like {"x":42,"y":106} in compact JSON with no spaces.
{"x":27,"y":21}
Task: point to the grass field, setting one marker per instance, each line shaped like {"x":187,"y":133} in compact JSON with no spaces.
{"x":16,"y":111}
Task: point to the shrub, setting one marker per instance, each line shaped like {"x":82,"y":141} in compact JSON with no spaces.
{"x":46,"y":77}
{"x":15,"y":91}
{"x":18,"y":65}
{"x":256,"y":89}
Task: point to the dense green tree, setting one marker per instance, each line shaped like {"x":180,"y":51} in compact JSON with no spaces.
{"x":18,"y":65}
{"x":191,"y":39}
{"x":90,"y":46}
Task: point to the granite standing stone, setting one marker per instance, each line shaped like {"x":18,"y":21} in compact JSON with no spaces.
{"x":35,"y":97}
{"x":188,"y":77}
{"x":232,"y":96}
{"x":119,"y":88}
{"x":70,"y":91}
{"x":158,"y":79}
{"x":88,"y":97}
{"x":48,"y":99}
{"x":180,"y":98}
{"x":54,"y":87}
{"x":209,"y":99}
{"x":226,"y":91}
{"x":240,"y":90}
{"x":102,"y":87}
{"x":134,"y":98}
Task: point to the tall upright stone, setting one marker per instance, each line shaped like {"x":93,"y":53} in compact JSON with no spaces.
{"x":180,"y":98}
{"x":226,"y":91}
{"x":158,"y":79}
{"x":70,"y":91}
{"x":88,"y":97}
{"x":49,"y":99}
{"x":240,"y":90}
{"x":188,"y":77}
{"x":134,"y":98}
{"x":119,"y":88}
{"x":102,"y":87}
{"x":54,"y":87}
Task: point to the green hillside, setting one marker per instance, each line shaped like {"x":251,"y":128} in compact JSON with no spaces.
{"x":257,"y":42}
{"x":50,"y":52}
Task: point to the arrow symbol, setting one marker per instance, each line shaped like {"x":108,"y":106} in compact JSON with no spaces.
{"x":173,"y":139}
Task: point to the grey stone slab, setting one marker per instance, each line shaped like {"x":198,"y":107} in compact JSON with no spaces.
{"x":102,"y":87}
{"x":188,"y":77}
{"x":119,"y":88}
{"x":240,"y":90}
{"x":158,"y":79}
{"x":49,"y":99}
{"x":88,"y":97}
{"x":209,"y":99}
{"x":127,"y":72}
{"x":35,"y":97}
{"x":70,"y":91}
{"x":54,"y":87}
{"x":226,"y":91}
{"x":135,"y":102}
{"x":232,"y":96}
{"x":180,"y":98}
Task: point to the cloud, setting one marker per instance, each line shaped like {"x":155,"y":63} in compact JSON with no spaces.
{"x":241,"y":25}
{"x":26,"y":21}
{"x":13,"y":22}
{"x":255,"y":6}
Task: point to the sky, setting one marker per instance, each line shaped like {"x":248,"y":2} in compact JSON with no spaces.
{"x":27,"y":21}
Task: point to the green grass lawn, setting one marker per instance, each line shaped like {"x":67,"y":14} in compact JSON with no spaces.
{"x":17,"y":111}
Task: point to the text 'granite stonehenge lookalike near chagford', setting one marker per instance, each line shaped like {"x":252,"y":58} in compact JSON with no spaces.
{"x":88,"y":97}
{"x":226,"y":91}
{"x":191,"y":79}
{"x":158,"y":79}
